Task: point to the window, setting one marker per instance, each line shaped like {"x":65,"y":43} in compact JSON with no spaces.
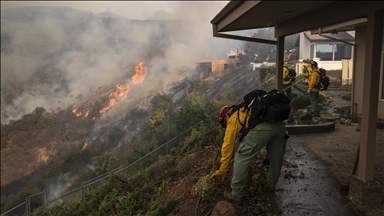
{"x":333,"y":52}
{"x":342,"y":51}
{"x":324,"y":52}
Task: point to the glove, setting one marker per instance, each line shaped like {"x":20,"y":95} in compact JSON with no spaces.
{"x":219,"y":173}
{"x":308,"y":91}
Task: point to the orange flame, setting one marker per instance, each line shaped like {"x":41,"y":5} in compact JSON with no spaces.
{"x":126,"y":127}
{"x":84,"y":146}
{"x":141,"y":73}
{"x":86,"y":114}
{"x":80,"y":113}
{"x":77,"y":114}
{"x":122,"y":90}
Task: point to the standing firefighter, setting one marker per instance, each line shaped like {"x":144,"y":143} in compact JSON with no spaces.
{"x":314,"y":80}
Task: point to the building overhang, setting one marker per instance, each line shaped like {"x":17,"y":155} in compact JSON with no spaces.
{"x":291,"y":17}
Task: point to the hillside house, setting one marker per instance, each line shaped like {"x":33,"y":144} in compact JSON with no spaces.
{"x":216,"y":68}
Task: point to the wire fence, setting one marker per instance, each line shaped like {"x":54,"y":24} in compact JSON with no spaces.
{"x":39,"y":202}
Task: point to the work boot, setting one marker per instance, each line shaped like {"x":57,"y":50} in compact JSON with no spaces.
{"x":231,"y":198}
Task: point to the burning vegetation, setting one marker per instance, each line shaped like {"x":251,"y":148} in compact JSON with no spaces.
{"x":122,"y":90}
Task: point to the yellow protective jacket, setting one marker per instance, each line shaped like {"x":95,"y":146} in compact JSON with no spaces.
{"x":285,"y":75}
{"x":309,"y":69}
{"x":231,"y":132}
{"x":313,"y":80}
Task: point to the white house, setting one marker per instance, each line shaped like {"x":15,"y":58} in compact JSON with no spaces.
{"x":332,"y":51}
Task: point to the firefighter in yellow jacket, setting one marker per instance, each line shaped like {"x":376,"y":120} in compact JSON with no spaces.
{"x":266,"y":134}
{"x":313,"y":89}
{"x":287,"y":84}
{"x":233,"y":127}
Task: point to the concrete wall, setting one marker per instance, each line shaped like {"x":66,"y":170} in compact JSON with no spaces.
{"x":305,"y":45}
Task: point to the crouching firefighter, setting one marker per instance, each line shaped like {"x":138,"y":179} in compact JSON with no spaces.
{"x":262,"y":128}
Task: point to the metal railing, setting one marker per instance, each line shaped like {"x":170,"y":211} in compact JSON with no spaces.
{"x":46,"y":203}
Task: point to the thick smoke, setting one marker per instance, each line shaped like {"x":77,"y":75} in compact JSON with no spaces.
{"x":51,"y":55}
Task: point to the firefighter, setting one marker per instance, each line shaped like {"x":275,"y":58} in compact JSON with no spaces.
{"x":314,"y":80}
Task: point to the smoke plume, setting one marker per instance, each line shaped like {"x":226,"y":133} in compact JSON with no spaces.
{"x":52,"y":55}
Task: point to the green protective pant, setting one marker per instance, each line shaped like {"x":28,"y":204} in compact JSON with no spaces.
{"x":264,"y":134}
{"x":313,"y":97}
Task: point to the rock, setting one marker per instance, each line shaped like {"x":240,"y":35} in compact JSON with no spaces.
{"x":224,"y":208}
{"x":263,"y":152}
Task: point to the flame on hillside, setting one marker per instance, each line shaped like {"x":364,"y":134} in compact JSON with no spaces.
{"x":86,"y":114}
{"x":122,"y":90}
{"x":80,"y":113}
{"x":141,"y":73}
{"x":84,"y":146}
{"x":77,"y":113}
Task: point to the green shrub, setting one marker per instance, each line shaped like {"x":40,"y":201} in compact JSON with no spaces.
{"x":45,"y":121}
{"x":346,"y":97}
{"x":204,"y":188}
{"x":157,"y":210}
{"x":266,"y":71}
{"x":300,"y":102}
{"x":105,"y":163}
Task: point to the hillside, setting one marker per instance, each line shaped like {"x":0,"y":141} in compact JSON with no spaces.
{"x":60,"y":67}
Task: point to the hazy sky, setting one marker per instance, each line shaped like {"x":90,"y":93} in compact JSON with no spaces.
{"x":128,"y":9}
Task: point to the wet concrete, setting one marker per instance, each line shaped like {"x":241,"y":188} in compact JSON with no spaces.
{"x":316,"y":166}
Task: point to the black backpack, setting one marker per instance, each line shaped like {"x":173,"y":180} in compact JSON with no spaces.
{"x":264,"y":107}
{"x":291,"y":74}
{"x":324,"y":80}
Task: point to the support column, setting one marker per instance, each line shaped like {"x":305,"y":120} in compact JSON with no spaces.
{"x":279,"y":62}
{"x":370,"y":94}
{"x":365,"y":192}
